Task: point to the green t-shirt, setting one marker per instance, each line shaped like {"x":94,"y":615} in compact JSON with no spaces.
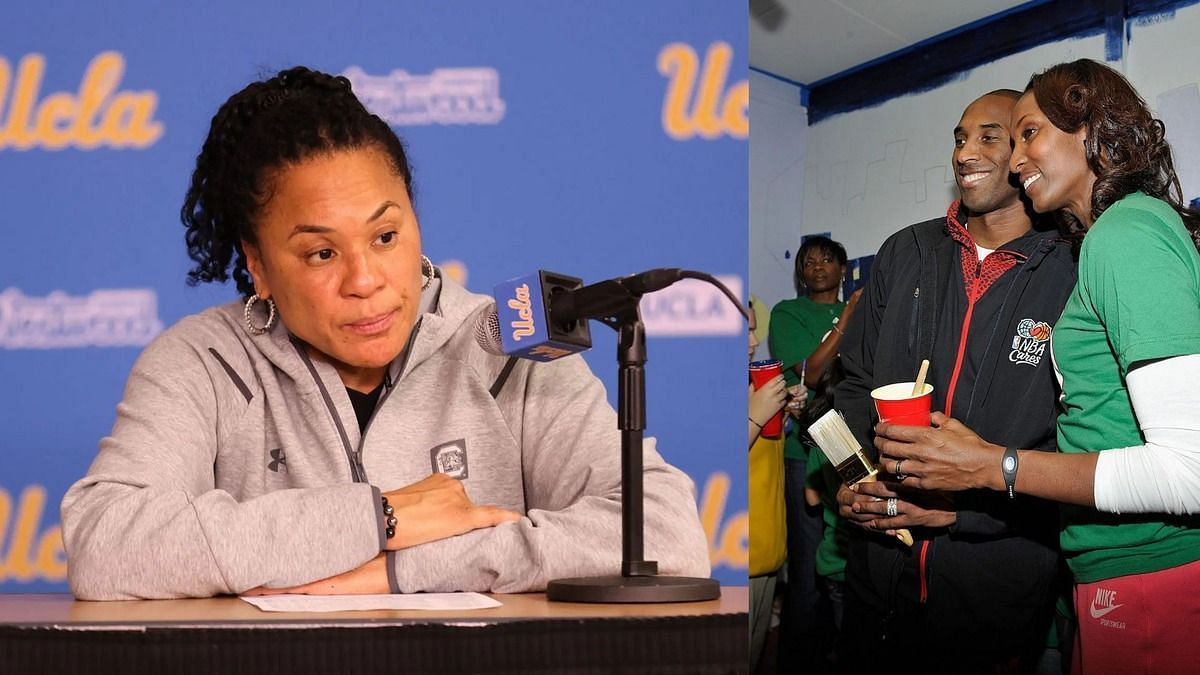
{"x":796,"y":330}
{"x":1137,"y":298}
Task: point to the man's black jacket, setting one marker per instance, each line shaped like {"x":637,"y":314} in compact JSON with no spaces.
{"x":983,"y":584}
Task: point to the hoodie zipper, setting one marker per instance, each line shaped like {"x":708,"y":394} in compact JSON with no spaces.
{"x":912,"y":318}
{"x":972,"y":297}
{"x":389,"y":385}
{"x":962,"y":341}
{"x":357,"y":473}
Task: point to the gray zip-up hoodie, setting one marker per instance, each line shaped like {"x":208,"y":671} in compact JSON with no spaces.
{"x":236,"y":461}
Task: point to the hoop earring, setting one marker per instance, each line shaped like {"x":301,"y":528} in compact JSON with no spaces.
{"x":259,"y":330}
{"x":426,"y":272}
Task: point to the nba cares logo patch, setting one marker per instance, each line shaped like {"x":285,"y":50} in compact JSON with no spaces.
{"x":1029,"y":344}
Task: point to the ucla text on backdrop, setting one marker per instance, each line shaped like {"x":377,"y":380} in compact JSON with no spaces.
{"x":714,"y":110}
{"x":96,"y":115}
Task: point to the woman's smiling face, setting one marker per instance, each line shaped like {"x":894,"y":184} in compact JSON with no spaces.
{"x":1050,"y":163}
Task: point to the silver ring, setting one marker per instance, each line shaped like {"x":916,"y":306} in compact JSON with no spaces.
{"x":891,"y":507}
{"x":900,"y":475}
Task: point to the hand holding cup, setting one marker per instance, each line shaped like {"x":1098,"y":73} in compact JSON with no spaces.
{"x":762,"y":374}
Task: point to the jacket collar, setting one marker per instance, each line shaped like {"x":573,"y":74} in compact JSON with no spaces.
{"x":445,"y":307}
{"x":1028,"y":245}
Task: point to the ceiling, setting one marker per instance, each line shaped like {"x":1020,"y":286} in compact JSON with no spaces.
{"x":807,"y":41}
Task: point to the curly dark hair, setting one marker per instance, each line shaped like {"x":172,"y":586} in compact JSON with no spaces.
{"x":297,"y":114}
{"x":1126,"y":147}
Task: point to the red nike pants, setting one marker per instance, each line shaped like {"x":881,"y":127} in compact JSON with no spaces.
{"x":1141,"y":623}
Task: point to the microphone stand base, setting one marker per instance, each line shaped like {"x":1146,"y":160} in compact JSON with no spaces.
{"x":633,"y":589}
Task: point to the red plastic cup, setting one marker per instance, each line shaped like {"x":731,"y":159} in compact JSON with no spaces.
{"x":896,"y":404}
{"x":762,"y":372}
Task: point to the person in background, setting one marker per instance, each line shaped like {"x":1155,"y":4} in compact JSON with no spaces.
{"x":805,"y":333}
{"x":975,"y":292}
{"x":338,"y":429}
{"x":830,"y":556}
{"x":1127,"y":349}
{"x":768,"y":535}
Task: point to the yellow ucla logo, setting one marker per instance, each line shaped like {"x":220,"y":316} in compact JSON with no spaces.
{"x":714,"y":110}
{"x":523,"y":327}
{"x":728,"y":544}
{"x":98,"y":114}
{"x":31,"y":554}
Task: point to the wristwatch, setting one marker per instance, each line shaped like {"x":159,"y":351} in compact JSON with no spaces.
{"x":1008,"y":467}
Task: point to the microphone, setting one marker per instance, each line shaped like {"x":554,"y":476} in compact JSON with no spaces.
{"x":544,"y":316}
{"x":487,"y":333}
{"x":524,"y":323}
{"x":487,"y":336}
{"x":607,"y":299}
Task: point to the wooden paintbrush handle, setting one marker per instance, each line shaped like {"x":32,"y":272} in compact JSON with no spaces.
{"x":919,"y":385}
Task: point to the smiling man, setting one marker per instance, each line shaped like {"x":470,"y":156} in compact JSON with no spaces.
{"x":977,"y":293}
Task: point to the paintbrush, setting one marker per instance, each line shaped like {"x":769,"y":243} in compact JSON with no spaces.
{"x":843,"y":451}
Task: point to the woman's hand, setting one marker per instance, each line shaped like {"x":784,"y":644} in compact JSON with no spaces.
{"x":866,"y":504}
{"x":797,"y":397}
{"x":946,"y":456}
{"x":367,"y":579}
{"x":767,"y":400}
{"x":848,"y":311}
{"x":852,"y":302}
{"x":437,"y":507}
{"x":819,"y":360}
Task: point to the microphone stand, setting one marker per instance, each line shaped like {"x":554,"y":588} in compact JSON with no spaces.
{"x":639,"y":580}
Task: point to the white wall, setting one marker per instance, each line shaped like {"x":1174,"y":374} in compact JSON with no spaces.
{"x":778,"y":137}
{"x":1163,"y":62}
{"x":874,"y":171}
{"x":871,"y":172}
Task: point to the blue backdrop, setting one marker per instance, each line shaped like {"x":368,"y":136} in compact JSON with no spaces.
{"x":593,"y":140}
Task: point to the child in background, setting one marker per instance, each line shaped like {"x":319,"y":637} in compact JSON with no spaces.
{"x":768,"y":535}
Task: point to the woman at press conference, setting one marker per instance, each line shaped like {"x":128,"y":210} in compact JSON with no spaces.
{"x":338,"y":429}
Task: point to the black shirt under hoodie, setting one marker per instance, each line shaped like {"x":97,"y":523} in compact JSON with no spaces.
{"x":980,"y":592}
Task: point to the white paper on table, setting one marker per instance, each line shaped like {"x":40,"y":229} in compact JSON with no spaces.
{"x":342,"y":603}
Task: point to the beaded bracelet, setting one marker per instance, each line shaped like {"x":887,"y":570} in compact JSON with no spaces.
{"x":391,"y":519}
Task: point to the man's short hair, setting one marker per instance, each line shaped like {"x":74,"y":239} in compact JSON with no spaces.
{"x":1007,"y":93}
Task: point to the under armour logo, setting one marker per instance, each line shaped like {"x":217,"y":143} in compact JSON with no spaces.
{"x":278,"y":460}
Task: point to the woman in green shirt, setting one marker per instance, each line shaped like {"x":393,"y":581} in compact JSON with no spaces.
{"x":804,"y":335}
{"x":1127,"y":350}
